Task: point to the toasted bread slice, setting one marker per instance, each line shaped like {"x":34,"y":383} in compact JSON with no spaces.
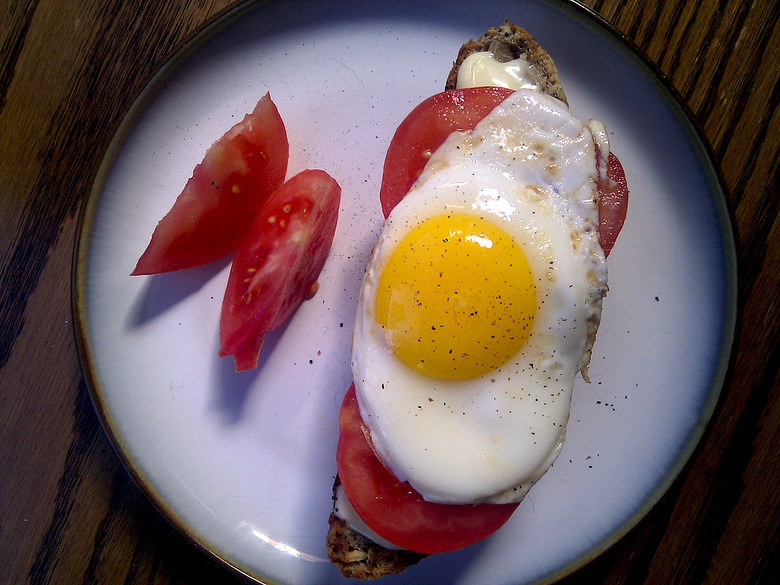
{"x":361,"y":558}
{"x":357,"y":556}
{"x":508,"y":42}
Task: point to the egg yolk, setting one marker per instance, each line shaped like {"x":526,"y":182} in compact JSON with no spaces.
{"x":456,"y":298}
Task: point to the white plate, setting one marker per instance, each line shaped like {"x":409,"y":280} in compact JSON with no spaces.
{"x":244,"y":463}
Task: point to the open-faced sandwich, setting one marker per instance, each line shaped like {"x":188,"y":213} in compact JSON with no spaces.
{"x":479,"y":306}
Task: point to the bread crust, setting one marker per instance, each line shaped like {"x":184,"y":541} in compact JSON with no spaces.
{"x":359,"y":557}
{"x":508,"y":42}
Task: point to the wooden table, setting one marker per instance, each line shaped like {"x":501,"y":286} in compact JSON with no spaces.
{"x":69,"y":513}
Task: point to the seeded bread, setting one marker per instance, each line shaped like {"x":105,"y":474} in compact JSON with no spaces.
{"x":508,"y":42}
{"x":361,"y":558}
{"x":357,"y":556}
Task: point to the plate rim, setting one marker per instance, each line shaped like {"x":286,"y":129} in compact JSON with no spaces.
{"x":726,"y":220}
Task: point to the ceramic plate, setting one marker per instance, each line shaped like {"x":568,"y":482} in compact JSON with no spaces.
{"x":243,"y":463}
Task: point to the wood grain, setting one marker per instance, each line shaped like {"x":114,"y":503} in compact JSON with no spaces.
{"x":69,"y":512}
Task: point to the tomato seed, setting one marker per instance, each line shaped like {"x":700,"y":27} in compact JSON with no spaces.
{"x":313,"y":288}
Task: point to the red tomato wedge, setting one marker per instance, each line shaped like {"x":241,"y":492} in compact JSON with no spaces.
{"x":224,"y":194}
{"x":424,"y":130}
{"x":428,"y":125}
{"x":277,"y":263}
{"x":393,"y":509}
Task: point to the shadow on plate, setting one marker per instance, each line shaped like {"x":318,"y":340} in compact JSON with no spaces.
{"x":231,"y":388}
{"x":163,"y":291}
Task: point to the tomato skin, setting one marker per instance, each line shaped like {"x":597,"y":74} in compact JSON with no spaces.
{"x":393,"y":509}
{"x":227,"y":189}
{"x":277,"y":263}
{"x":424,"y":130}
{"x":613,"y":203}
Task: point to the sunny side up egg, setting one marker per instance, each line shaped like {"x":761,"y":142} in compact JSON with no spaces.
{"x":480,"y":305}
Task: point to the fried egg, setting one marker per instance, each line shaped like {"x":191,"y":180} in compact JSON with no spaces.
{"x":480,"y":305}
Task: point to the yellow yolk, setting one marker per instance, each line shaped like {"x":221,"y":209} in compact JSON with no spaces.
{"x":456,"y":298}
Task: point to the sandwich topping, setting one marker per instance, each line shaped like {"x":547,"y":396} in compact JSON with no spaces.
{"x":483,"y":68}
{"x":472,"y":319}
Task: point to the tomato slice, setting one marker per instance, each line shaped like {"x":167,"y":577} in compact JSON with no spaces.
{"x":428,"y":125}
{"x":613,"y":203}
{"x":224,"y":194}
{"x":393,"y":509}
{"x":424,"y":130}
{"x":277,"y":263}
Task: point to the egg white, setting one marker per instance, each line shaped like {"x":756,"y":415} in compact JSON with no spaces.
{"x":530,"y":168}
